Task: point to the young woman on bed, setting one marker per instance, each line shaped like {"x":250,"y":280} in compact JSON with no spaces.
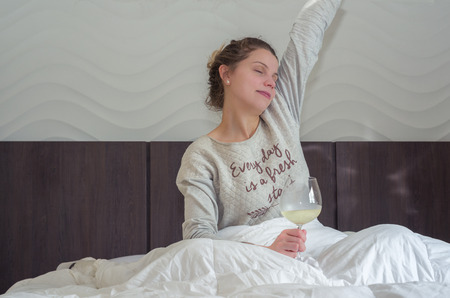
{"x":235,"y":174}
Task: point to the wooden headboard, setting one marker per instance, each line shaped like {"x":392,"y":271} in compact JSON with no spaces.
{"x":61,"y":201}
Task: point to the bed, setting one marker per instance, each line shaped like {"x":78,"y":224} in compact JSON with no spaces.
{"x":115,"y":205}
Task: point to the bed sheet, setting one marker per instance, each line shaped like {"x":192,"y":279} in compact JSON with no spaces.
{"x":382,"y":261}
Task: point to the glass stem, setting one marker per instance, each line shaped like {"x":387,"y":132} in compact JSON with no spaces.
{"x":299,"y":257}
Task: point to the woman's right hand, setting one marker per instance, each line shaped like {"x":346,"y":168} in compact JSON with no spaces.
{"x":289,"y":242}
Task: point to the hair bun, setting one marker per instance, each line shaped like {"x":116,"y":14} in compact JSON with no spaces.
{"x":213,"y":56}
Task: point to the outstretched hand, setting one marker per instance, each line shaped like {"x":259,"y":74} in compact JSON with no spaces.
{"x":289,"y":242}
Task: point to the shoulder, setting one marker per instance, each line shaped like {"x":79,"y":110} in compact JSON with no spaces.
{"x":199,"y":147}
{"x":199,"y":156}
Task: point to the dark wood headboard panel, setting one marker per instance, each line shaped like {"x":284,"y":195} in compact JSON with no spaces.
{"x":166,"y":202}
{"x":405,"y":183}
{"x":321,"y":160}
{"x":62,"y":201}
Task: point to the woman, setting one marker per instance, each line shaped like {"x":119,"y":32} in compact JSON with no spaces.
{"x":235,"y":174}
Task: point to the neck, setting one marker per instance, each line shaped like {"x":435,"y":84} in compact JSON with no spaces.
{"x":235,"y":129}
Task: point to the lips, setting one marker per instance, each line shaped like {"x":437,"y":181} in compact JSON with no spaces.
{"x":265,"y":94}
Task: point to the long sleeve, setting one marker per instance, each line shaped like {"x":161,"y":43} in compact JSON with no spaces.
{"x":306,"y":39}
{"x":195,"y":182}
{"x":229,"y":184}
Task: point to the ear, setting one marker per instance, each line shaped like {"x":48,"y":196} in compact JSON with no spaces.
{"x":224,"y":72}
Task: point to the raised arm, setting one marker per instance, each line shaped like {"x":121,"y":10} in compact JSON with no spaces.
{"x":303,"y":49}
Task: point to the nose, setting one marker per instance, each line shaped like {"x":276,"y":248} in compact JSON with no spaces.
{"x":270,"y":82}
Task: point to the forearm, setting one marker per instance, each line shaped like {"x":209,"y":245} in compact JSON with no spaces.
{"x":200,"y":205}
{"x":313,"y":20}
{"x":306,"y":37}
{"x":197,"y":228}
{"x":309,"y":29}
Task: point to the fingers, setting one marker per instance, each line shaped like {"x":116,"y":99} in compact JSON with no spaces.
{"x":292,"y":254}
{"x":289,"y":242}
{"x":297,"y":233}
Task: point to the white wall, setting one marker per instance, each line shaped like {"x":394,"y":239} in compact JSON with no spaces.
{"x":135,"y":69}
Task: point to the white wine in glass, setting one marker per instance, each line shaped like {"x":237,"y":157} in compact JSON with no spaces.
{"x":301,"y":202}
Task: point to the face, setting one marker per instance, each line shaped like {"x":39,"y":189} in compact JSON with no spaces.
{"x":251,"y":85}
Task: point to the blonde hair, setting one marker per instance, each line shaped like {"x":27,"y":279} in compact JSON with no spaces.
{"x":212,"y":58}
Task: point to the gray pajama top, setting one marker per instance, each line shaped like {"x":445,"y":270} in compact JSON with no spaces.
{"x":227,"y":184}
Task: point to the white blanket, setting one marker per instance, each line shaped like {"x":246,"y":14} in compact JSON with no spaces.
{"x":382,"y":261}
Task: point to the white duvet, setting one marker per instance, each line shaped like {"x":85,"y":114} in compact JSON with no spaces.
{"x":382,"y":261}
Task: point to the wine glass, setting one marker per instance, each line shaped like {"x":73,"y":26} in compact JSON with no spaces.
{"x":301,"y":202}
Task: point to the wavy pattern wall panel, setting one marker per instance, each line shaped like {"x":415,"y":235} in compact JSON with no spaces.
{"x":135,"y":69}
{"x":384,"y":74}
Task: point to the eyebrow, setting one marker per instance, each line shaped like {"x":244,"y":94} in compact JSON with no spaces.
{"x":259,"y":62}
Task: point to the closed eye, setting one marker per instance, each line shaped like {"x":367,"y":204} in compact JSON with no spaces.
{"x":263,"y":70}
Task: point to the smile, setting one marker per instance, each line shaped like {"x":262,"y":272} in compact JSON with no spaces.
{"x":265,"y":94}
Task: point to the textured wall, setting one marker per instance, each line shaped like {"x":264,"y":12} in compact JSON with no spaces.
{"x":135,"y":69}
